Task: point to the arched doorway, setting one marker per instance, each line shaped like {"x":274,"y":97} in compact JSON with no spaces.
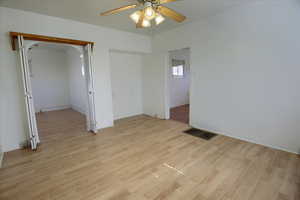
{"x":24,"y":46}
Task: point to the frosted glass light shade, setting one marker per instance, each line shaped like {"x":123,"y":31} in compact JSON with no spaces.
{"x":136,"y":16}
{"x":146,"y":23}
{"x":149,"y":13}
{"x":159,"y":19}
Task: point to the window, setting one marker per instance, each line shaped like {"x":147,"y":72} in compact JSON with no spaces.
{"x":177,"y":70}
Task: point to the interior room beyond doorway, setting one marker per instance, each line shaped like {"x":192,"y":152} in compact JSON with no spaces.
{"x":58,"y":83}
{"x":179,"y":85}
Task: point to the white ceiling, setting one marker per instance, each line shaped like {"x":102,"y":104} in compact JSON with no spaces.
{"x":88,"y":11}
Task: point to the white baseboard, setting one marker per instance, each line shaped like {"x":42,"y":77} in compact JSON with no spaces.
{"x":54,"y":108}
{"x":127,"y":115}
{"x":104,"y":125}
{"x":248,"y":140}
{"x":78,"y":109}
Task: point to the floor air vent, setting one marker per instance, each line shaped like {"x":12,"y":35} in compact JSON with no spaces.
{"x":200,"y":133}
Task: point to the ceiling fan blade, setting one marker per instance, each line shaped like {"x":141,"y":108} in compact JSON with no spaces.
{"x":116,"y":10}
{"x":141,"y":19}
{"x":166,"y":1}
{"x":171,"y":13}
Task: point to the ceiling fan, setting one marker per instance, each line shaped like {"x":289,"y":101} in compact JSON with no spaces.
{"x":151,"y":10}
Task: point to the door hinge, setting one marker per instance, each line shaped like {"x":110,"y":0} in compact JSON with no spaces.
{"x":28,"y":95}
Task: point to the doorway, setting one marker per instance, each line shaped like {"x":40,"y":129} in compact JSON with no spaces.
{"x":179,"y":85}
{"x":57,"y":78}
{"x":24,"y":47}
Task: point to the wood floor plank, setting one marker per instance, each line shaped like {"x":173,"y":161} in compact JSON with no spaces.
{"x":143,"y":158}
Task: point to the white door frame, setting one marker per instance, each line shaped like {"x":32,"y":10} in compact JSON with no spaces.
{"x":167,"y":71}
{"x":30,"y":113}
{"x":90,"y":92}
{"x":89,"y":77}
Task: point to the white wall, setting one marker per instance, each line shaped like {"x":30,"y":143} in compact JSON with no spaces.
{"x":179,"y":87}
{"x":126,"y":80}
{"x":77,"y":82}
{"x":12,"y":121}
{"x":244,"y":72}
{"x":49,"y":78}
{"x":1,"y":151}
{"x":155,"y":85}
{"x":3,"y":87}
{"x":57,"y":78}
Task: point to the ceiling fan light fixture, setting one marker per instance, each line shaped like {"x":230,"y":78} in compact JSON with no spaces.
{"x":146,"y":23}
{"x":159,"y":19}
{"x":149,"y":12}
{"x":136,"y":16}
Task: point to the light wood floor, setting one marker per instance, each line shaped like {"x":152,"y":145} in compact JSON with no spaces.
{"x":144,"y":158}
{"x":60,"y":125}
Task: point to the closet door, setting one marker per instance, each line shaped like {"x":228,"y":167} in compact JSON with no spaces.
{"x":89,"y":73}
{"x":32,"y":126}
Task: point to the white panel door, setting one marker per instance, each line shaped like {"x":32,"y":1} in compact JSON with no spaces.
{"x":32,"y":126}
{"x":89,"y":73}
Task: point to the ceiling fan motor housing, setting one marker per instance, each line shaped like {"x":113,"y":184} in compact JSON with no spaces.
{"x":147,"y":4}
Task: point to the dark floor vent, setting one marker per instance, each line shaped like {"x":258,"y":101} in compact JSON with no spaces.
{"x":200,"y":133}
